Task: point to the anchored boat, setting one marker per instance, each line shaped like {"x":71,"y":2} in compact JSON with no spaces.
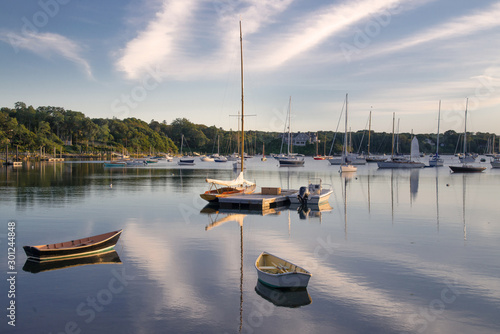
{"x":227,"y":188}
{"x":280,"y":273}
{"x":78,"y":247}
{"x":313,"y":194}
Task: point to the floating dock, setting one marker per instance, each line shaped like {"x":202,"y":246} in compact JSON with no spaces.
{"x":257,"y":201}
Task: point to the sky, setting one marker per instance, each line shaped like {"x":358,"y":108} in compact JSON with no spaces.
{"x":167,"y":59}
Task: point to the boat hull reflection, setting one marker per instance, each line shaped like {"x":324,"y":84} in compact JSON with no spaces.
{"x":34,"y":266}
{"x":284,"y":297}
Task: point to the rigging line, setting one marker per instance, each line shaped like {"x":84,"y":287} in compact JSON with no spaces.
{"x":337,"y":129}
{"x":363,"y":136}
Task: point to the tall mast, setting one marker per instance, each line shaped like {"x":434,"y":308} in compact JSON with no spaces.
{"x":242,"y":105}
{"x":439,"y":119}
{"x":393,"y":120}
{"x":345,"y":134}
{"x":289,"y":126}
{"x":465,"y":128}
{"x":369,"y":131}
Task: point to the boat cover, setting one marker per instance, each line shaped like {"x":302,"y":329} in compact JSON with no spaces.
{"x":233,"y":183}
{"x":415,"y":150}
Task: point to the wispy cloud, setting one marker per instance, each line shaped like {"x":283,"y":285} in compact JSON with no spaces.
{"x":458,"y":27}
{"x":159,"y":40}
{"x":47,"y":45}
{"x":316,"y":27}
{"x":175,"y":28}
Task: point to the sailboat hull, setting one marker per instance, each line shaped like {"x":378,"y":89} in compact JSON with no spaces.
{"x":467,"y":169}
{"x":291,"y":163}
{"x":348,"y":168}
{"x":399,"y":164}
{"x":436,"y":162}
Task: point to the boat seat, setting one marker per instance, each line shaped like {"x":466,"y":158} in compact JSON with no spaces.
{"x":267,"y":267}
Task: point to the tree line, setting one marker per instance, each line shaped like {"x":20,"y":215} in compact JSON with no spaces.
{"x":30,"y":129}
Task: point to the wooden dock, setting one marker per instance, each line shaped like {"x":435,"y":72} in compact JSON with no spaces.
{"x":256,"y":201}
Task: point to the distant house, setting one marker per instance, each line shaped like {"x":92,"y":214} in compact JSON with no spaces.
{"x":301,"y":138}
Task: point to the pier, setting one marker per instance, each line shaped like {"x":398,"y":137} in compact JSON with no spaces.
{"x":258,"y":201}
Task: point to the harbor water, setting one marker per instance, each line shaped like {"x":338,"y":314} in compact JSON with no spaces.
{"x":394,"y":251}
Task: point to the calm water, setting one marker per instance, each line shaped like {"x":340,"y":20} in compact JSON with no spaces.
{"x":395,"y":251}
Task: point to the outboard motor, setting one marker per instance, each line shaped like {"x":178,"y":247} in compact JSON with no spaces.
{"x":303,"y":195}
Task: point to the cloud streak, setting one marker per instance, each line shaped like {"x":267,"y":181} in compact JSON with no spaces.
{"x":458,"y":27}
{"x":47,"y":45}
{"x":166,"y":39}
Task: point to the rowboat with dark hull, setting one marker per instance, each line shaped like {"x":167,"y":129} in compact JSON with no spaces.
{"x":74,"y":248}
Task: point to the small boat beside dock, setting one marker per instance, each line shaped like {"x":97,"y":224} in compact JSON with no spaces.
{"x":276,"y":272}
{"x":314,"y":194}
{"x":74,"y":248}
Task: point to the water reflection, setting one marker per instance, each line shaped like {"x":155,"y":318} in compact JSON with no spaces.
{"x":34,"y":266}
{"x":284,"y":297}
{"x":309,"y":211}
{"x":238,"y":218}
{"x":192,"y":274}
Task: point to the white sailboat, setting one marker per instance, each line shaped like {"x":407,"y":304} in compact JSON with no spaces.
{"x":345,"y":166}
{"x":435,"y":160}
{"x":238,"y":185}
{"x":290,"y":160}
{"x":402,"y":162}
{"x":466,"y":168}
{"x":369,"y":157}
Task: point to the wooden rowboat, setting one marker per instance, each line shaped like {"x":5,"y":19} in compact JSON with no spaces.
{"x":279,"y":273}
{"x":74,"y":248}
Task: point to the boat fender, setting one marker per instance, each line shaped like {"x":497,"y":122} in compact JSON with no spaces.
{"x":303,"y":195}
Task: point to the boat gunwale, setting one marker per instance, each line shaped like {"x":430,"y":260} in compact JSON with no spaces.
{"x":49,"y":250}
{"x":305,"y":273}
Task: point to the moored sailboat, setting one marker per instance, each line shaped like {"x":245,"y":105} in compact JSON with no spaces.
{"x":466,"y":168}
{"x":402,"y":162}
{"x":345,"y":166}
{"x":185,"y":160}
{"x":290,"y":160}
{"x":436,"y":160}
{"x":238,"y":185}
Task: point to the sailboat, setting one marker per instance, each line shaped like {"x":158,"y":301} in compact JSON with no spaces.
{"x":290,"y":160}
{"x":402,"y":162}
{"x":345,"y":166}
{"x":435,"y":160}
{"x":263,"y":153}
{"x":466,"y":168}
{"x":238,"y":185}
{"x":369,"y":157}
{"x":218,"y":157}
{"x":187,"y":160}
{"x":495,"y":162}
